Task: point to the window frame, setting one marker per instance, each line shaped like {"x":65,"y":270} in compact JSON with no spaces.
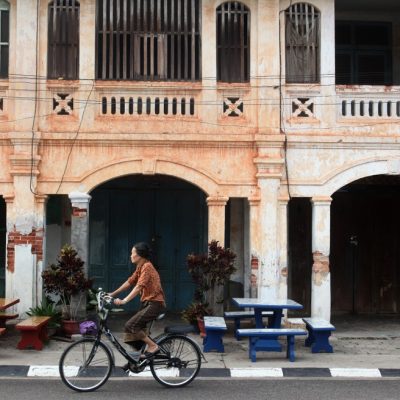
{"x":226,"y":51}
{"x":355,"y":50}
{"x":5,"y":6}
{"x":70,"y":46}
{"x":164,"y":36}
{"x":314,"y":77}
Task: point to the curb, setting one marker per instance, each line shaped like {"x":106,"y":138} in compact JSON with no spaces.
{"x":47,"y":371}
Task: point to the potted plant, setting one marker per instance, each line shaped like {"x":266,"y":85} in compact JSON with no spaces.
{"x":47,"y":308}
{"x":194,"y":314}
{"x":210,"y":272}
{"x":67,"y":280}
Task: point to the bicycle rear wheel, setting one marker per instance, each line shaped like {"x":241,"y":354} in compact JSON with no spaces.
{"x":85,"y":365}
{"x":178,"y":362}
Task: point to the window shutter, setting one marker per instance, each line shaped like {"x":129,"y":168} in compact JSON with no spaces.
{"x":302,"y":44}
{"x":63,"y":39}
{"x":233,"y":42}
{"x":148,"y":40}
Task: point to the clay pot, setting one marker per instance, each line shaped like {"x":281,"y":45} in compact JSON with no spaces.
{"x":70,"y":327}
{"x":200,"y":323}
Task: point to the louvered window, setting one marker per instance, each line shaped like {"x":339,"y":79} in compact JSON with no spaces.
{"x":148,"y":40}
{"x":4,"y":37}
{"x":302,"y":43}
{"x":63,"y":39}
{"x":233,"y":42}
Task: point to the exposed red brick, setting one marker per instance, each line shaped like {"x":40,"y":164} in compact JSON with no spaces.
{"x":35,"y":238}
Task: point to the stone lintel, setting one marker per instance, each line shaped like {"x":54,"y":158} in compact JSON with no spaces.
{"x":217,"y":201}
{"x":321,"y":200}
{"x":254,"y":201}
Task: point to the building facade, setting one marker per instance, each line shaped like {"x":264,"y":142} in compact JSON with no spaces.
{"x":267,"y":125}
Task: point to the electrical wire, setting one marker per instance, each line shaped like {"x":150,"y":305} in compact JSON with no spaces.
{"x":74,"y":140}
{"x":281,"y":116}
{"x":35,"y":100}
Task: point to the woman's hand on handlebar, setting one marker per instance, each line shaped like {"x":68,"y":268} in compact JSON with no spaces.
{"x":119,"y":302}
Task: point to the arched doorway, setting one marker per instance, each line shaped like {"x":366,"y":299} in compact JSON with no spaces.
{"x":168,"y":213}
{"x":365,"y":246}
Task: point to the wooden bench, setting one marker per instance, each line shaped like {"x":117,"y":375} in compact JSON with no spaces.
{"x":237,"y":316}
{"x":319,"y":331}
{"x":2,"y":331}
{"x":257,"y":335}
{"x":215,"y":329}
{"x":33,"y":332}
{"x":4,"y":317}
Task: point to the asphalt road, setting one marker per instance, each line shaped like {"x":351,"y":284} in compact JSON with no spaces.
{"x":226,"y":389}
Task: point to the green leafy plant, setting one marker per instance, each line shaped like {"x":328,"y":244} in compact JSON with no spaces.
{"x":65,"y":279}
{"x":46,"y":309}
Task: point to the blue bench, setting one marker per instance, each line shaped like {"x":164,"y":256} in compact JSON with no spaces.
{"x":257,"y":336}
{"x":319,"y":331}
{"x":239,"y":315}
{"x":215,"y":329}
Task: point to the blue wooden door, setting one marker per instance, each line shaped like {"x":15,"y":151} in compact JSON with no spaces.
{"x":170,"y":216}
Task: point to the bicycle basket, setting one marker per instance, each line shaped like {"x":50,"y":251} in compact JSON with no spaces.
{"x":88,"y":328}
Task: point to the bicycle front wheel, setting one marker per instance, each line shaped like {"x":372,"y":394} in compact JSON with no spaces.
{"x":178,"y":362}
{"x":85,"y":365}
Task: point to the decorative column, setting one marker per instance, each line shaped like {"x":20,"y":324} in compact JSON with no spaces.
{"x":87,"y":39}
{"x":216,"y":231}
{"x":255,"y":251}
{"x":80,"y":225}
{"x":25,"y":209}
{"x":216,"y":218}
{"x":321,"y":279}
{"x":209,"y":64}
{"x":283,"y":246}
{"x":269,"y":178}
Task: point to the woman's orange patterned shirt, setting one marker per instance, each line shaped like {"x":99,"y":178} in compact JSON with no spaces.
{"x":147,"y":278}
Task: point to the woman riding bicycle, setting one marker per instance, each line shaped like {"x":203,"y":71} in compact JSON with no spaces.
{"x":145,"y":281}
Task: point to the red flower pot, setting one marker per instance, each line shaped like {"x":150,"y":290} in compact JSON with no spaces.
{"x":200,"y":323}
{"x":70,"y":327}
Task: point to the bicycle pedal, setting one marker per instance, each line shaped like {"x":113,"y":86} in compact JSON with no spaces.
{"x":135,"y":355}
{"x":126,"y":367}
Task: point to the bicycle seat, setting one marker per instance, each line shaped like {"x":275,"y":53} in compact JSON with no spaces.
{"x":161,"y":316}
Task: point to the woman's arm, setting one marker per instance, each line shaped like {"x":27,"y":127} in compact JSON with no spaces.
{"x":126,"y":285}
{"x":134,"y":292}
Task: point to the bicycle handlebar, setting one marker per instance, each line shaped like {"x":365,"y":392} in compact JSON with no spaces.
{"x":104,"y":299}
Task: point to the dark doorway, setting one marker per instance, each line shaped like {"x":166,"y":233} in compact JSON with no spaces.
{"x":168,"y":213}
{"x":300,"y":253}
{"x":365,"y":246}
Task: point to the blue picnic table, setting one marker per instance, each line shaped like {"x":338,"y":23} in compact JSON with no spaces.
{"x":276,"y":306}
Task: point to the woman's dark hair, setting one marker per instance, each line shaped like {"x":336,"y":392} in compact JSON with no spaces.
{"x":143,"y":250}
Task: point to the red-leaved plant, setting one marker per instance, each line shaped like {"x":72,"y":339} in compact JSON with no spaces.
{"x":210,"y":272}
{"x":66,"y":278}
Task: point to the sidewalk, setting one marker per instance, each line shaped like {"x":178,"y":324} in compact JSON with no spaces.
{"x":362,"y":347}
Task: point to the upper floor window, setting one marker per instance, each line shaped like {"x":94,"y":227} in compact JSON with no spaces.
{"x":233,"y":42}
{"x":148,"y":40}
{"x":302,"y":43}
{"x":63,"y":39}
{"x":4,"y":37}
{"x":364,"y":53}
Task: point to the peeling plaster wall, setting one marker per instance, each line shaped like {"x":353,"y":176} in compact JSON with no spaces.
{"x":226,"y":157}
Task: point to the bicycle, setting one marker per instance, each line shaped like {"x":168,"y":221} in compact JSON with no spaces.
{"x":87,"y":364}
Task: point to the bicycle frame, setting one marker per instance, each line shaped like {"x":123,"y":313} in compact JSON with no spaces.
{"x":103,"y":329}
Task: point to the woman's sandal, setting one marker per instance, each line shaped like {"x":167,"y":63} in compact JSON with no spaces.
{"x":149,"y":354}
